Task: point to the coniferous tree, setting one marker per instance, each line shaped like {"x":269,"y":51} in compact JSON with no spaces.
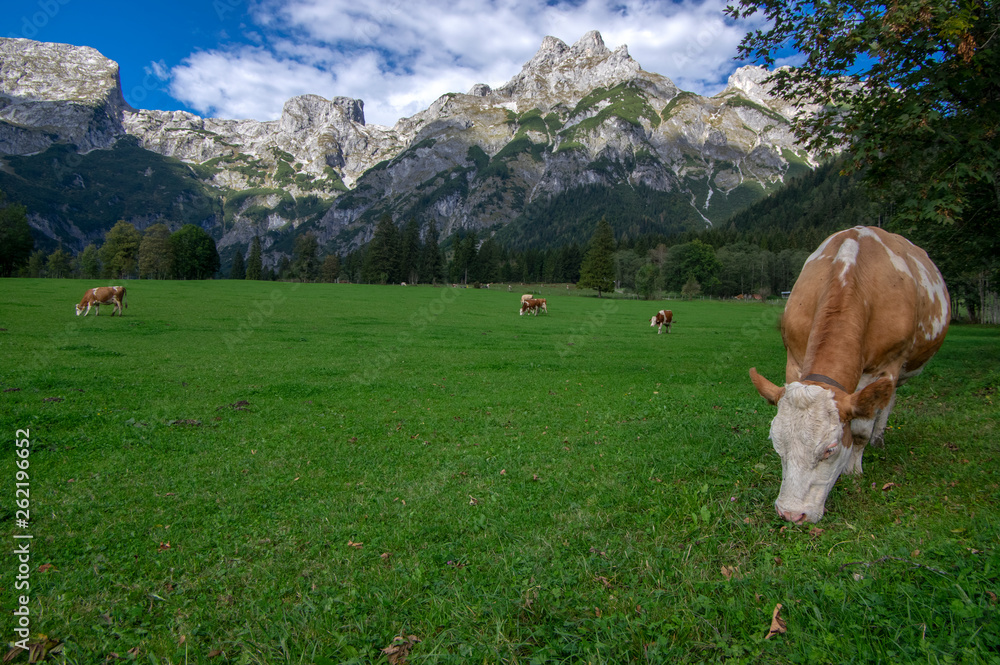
{"x":330,"y":270}
{"x":597,"y":270}
{"x":254,"y":262}
{"x":195,"y":254}
{"x":431,"y":261}
{"x":306,"y":264}
{"x":464,"y":260}
{"x":16,"y":242}
{"x":239,"y":268}
{"x":284,"y":267}
{"x":488,"y":261}
{"x":409,"y":252}
{"x":382,"y":259}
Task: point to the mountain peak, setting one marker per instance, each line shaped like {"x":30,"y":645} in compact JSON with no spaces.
{"x":590,"y":44}
{"x":564,"y":74}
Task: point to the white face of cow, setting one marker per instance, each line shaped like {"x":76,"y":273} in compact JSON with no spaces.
{"x":78,"y":309}
{"x":808,"y":435}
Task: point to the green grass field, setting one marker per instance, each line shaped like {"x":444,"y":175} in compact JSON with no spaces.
{"x":256,"y":472}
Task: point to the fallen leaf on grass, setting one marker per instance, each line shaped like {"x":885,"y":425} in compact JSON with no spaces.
{"x":214,"y":653}
{"x":777,"y":623}
{"x":164,"y":546}
{"x":888,"y":486}
{"x":46,"y":566}
{"x":351,"y":543}
{"x":605,"y":582}
{"x":729,"y":572}
{"x":385,"y":555}
{"x":397,"y":652}
{"x":816,"y":531}
{"x":473,"y":500}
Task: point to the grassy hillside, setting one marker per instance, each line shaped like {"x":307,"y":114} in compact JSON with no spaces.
{"x":284,"y":473}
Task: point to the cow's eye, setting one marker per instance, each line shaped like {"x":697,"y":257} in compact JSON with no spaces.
{"x":829,"y":451}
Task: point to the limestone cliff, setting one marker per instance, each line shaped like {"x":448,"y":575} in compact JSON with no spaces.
{"x":575,"y":116}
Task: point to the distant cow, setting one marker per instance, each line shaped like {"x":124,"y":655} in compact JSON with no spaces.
{"x":532,"y":305}
{"x":102,"y":295}
{"x":663,"y":318}
{"x":867,"y":312}
{"x":526,"y":297}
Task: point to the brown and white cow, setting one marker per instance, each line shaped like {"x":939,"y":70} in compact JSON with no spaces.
{"x":663,"y":318}
{"x":102,"y":295}
{"x":533,"y":305}
{"x":867,"y":312}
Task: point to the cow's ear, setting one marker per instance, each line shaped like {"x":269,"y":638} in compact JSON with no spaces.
{"x":767,"y":390}
{"x":864,"y":403}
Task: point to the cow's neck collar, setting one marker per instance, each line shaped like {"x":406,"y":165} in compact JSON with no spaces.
{"x":822,"y":378}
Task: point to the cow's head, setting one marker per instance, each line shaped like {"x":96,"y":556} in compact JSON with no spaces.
{"x":812,"y":434}
{"x":652,"y":322}
{"x":78,"y":309}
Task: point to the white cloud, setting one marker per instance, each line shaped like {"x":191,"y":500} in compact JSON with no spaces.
{"x":399,"y":57}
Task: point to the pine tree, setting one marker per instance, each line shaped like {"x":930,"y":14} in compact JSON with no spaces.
{"x":409,"y":253}
{"x":195,"y":254}
{"x":16,"y":242}
{"x":254,"y":263}
{"x":239,"y":268}
{"x":330,"y":270}
{"x":598,"y":270}
{"x":464,"y":261}
{"x":382,"y":258}
{"x":306,"y":265}
{"x":431,"y":261}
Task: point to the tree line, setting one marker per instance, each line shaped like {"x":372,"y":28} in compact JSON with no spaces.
{"x":156,"y":253}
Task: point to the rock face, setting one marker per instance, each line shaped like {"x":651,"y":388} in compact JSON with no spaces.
{"x":574,"y":117}
{"x":57,"y":92}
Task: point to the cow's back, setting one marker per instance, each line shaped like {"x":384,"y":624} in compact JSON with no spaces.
{"x":869,"y":294}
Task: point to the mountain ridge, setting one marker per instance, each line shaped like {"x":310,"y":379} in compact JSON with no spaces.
{"x":579,"y":115}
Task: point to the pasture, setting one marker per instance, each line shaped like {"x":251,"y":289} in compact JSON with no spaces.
{"x":258,"y":472}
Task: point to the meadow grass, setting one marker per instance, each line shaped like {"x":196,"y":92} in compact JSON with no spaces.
{"x":256,"y":472}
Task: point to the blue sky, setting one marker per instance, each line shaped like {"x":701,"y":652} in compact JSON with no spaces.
{"x":244,"y":58}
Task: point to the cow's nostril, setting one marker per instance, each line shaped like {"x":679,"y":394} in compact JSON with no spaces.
{"x":789,"y":516}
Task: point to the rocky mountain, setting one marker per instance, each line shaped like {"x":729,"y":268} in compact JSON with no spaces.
{"x":580,"y":132}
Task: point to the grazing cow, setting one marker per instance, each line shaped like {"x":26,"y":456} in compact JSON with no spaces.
{"x":102,"y":295}
{"x":867,"y":312}
{"x":526,"y":297}
{"x":663,"y":318}
{"x":533,"y":305}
